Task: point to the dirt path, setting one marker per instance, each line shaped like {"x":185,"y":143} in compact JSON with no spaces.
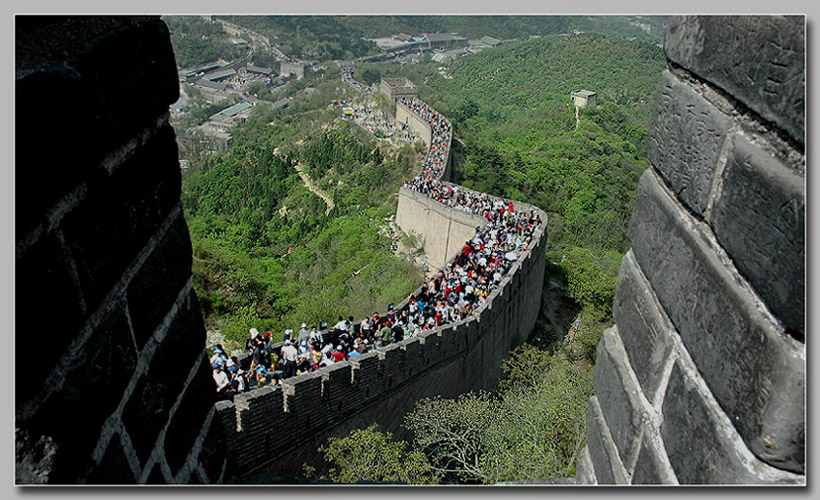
{"x":315,"y":190}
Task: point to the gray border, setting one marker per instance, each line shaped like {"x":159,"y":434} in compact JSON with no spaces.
{"x":420,"y":7}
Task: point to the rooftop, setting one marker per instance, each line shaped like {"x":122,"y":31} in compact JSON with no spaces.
{"x":442,"y":37}
{"x":235,"y":109}
{"x":204,"y":82}
{"x":584,"y":93}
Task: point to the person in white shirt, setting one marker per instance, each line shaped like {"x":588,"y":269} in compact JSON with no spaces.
{"x":290,"y":356}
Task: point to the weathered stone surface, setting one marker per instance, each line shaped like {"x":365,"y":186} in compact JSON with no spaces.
{"x":215,"y":453}
{"x":126,"y":210}
{"x":113,"y":468}
{"x":34,"y":458}
{"x":759,"y":60}
{"x":43,"y":283}
{"x":167,"y":268}
{"x":685,"y":140}
{"x":52,"y":92}
{"x":759,"y":219}
{"x":156,"y":477}
{"x":701,"y":446}
{"x":617,"y":395}
{"x":602,"y":451}
{"x":755,"y":371}
{"x":132,"y":79}
{"x":584,"y":470}
{"x":186,"y":424}
{"x":642,"y":325}
{"x":652,"y":466}
{"x":147,"y":410}
{"x":92,"y":390}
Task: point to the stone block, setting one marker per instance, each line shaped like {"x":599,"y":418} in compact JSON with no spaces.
{"x":642,"y":325}
{"x":43,"y":283}
{"x":429,"y":347}
{"x":156,"y":476}
{"x":186,"y":424}
{"x":685,"y":140}
{"x":55,"y":92}
{"x":447,"y":341}
{"x":392,"y":361}
{"x":701,"y":444}
{"x":146,"y":412}
{"x":214,"y":452}
{"x":301,"y":393}
{"x":754,"y":370}
{"x":132,"y":79}
{"x":584,"y":470}
{"x":607,"y":467}
{"x":413,"y":361}
{"x":652,"y":466}
{"x":94,"y":386}
{"x":617,"y":395}
{"x":113,"y":468}
{"x":759,"y":60}
{"x":337,"y":393}
{"x":153,"y":289}
{"x":759,"y":219}
{"x":127,"y":209}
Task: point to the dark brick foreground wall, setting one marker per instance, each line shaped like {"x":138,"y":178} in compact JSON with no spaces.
{"x":112,"y":383}
{"x":702,"y":380}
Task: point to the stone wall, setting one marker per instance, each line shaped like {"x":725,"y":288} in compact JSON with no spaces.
{"x":702,"y":379}
{"x":442,"y":230}
{"x":274,"y":430}
{"x":118,"y":388}
{"x":419,"y":127}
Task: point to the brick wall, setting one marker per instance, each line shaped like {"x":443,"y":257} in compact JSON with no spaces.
{"x":115,"y":387}
{"x":702,"y":379}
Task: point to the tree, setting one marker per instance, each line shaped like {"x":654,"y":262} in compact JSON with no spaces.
{"x":367,"y":455}
{"x":533,"y":428}
{"x":591,"y":277}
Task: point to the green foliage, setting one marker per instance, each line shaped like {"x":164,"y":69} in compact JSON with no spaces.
{"x":591,"y":276}
{"x":532,"y":429}
{"x":197,"y":41}
{"x":368,"y":455}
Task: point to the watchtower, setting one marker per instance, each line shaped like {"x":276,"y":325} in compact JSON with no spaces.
{"x":396,"y":88}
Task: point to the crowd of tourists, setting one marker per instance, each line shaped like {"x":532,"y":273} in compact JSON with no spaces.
{"x":347,"y":77}
{"x":449,"y":296}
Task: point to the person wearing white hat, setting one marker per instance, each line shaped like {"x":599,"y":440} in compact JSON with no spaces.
{"x":304,"y":334}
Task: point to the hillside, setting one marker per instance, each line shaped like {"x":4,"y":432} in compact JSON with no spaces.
{"x":511,"y":109}
{"x":341,"y":37}
{"x":266,"y":253}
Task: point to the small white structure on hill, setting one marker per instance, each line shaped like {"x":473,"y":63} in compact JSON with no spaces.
{"x":583,"y":98}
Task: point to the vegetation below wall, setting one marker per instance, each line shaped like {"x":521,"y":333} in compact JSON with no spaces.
{"x":532,"y":428}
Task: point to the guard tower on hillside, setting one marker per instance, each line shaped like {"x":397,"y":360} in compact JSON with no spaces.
{"x":583,"y":98}
{"x":396,"y":88}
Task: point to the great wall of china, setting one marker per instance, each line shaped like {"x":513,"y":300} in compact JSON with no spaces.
{"x":701,"y":381}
